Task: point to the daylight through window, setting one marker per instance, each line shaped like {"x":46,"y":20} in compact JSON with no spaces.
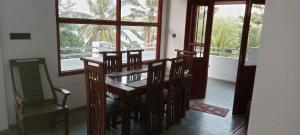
{"x":86,"y":27}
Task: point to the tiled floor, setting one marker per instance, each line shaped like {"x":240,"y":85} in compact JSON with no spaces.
{"x":196,"y":123}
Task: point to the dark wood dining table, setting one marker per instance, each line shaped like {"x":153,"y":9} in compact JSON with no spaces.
{"x":128,"y":85}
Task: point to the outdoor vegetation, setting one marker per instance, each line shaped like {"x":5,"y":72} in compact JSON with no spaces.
{"x":227,"y":32}
{"x":78,"y":40}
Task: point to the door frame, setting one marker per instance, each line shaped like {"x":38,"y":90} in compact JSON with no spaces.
{"x":200,"y":63}
{"x":245,"y":74}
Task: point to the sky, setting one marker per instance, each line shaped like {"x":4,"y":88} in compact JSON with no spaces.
{"x":230,"y":10}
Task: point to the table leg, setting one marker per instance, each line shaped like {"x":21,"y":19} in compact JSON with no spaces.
{"x":126,"y":117}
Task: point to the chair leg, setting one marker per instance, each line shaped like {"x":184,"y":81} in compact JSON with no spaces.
{"x":52,"y":121}
{"x":114,"y":120}
{"x":67,"y":122}
{"x":107,"y":121}
{"x":22,"y":132}
{"x":136,"y":115}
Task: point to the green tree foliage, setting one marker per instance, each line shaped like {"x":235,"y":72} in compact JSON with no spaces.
{"x":68,"y":37}
{"x":227,"y":31}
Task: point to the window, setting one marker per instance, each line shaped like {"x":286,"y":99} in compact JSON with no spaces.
{"x":86,"y":27}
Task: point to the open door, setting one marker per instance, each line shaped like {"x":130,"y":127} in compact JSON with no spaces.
{"x":199,"y":18}
{"x":246,"y":71}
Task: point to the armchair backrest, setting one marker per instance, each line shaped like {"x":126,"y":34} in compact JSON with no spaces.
{"x":31,"y":80}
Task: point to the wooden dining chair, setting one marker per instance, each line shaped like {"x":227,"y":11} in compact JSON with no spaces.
{"x":112,"y":61}
{"x":175,"y":96}
{"x":189,"y":55}
{"x":100,"y":107}
{"x":154,"y":97}
{"x":34,"y":92}
{"x":134,"y":59}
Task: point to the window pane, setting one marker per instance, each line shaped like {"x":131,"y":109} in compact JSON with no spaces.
{"x":139,"y":10}
{"x":139,"y":37}
{"x":88,"y":9}
{"x":254,"y":37}
{"x":201,"y":24}
{"x":84,"y":40}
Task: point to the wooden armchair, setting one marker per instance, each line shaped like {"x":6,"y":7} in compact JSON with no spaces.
{"x":34,"y":92}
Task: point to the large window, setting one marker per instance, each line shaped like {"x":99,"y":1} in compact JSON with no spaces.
{"x":86,"y":27}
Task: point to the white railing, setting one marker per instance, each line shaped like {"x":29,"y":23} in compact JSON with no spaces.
{"x":225,"y":52}
{"x":78,"y":52}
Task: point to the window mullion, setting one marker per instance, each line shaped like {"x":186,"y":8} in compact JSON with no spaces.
{"x":118,"y":27}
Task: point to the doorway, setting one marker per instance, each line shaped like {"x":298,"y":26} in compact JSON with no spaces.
{"x":202,"y":28}
{"x":224,"y":54}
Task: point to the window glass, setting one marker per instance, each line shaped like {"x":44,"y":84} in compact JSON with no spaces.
{"x":87,"y":9}
{"x":139,"y":10}
{"x":140,"y":37}
{"x":84,"y":40}
{"x":254,"y":37}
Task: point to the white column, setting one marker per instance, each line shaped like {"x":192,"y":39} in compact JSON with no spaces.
{"x":3,"y":107}
{"x":275,"y":106}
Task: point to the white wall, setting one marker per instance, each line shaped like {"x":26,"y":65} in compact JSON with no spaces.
{"x":223,"y":68}
{"x":226,"y":68}
{"x":275,"y":106}
{"x":3,"y":107}
{"x":176,"y":24}
{"x":38,"y":18}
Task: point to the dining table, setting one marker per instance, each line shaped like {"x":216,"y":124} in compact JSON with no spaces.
{"x":129,"y":85}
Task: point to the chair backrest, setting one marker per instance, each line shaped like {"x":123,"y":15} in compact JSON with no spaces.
{"x":134,"y":59}
{"x":31,"y":80}
{"x":175,"y":95}
{"x":154,"y":96}
{"x":178,"y":66}
{"x":112,"y":61}
{"x":96,"y":98}
{"x":189,"y":57}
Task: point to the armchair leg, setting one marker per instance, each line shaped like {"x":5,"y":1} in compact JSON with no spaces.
{"x":21,"y":131}
{"x":20,"y":125}
{"x":67,"y":122}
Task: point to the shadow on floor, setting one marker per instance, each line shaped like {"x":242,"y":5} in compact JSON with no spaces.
{"x":196,"y":123}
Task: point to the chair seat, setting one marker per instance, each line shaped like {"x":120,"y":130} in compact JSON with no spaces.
{"x":41,"y":108}
{"x":113,"y":105}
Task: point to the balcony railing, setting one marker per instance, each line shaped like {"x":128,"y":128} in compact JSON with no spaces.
{"x":225,"y":52}
{"x":93,"y":51}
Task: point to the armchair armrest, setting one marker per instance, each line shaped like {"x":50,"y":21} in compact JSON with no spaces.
{"x":19,"y":99}
{"x":19,"y":103}
{"x":66,"y":93}
{"x":63,"y":91}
